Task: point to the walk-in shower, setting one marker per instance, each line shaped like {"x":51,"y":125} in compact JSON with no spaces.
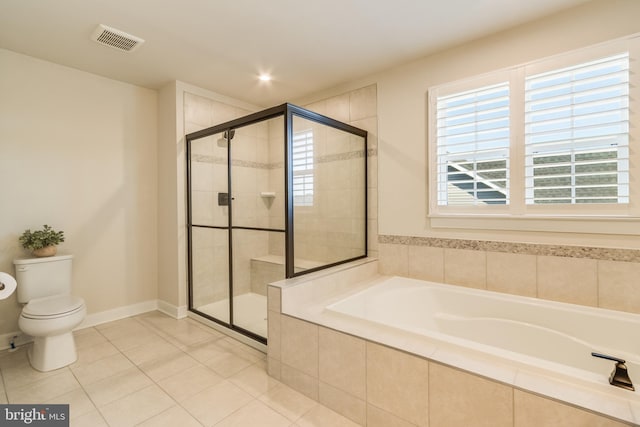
{"x":271,"y":195}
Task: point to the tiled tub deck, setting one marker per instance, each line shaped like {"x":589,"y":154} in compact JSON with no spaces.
{"x":380,"y":376}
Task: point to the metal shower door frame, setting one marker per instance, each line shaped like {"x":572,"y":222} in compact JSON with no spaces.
{"x":287,"y":111}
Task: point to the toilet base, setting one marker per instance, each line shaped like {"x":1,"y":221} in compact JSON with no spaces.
{"x":52,"y":352}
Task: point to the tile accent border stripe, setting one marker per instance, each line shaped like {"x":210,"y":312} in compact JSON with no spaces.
{"x":602,"y":254}
{"x":204,"y":158}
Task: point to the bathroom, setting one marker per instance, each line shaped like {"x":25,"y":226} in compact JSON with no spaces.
{"x":122,"y":168}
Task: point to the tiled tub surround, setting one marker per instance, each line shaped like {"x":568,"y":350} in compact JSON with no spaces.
{"x":591,"y":276}
{"x":270,"y":268}
{"x":377,"y":375}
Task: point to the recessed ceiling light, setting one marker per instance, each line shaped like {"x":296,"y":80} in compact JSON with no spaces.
{"x":264,"y":77}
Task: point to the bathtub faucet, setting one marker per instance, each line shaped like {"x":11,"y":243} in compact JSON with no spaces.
{"x":620,"y":376}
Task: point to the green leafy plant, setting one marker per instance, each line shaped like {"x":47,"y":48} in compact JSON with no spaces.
{"x":41,"y":238}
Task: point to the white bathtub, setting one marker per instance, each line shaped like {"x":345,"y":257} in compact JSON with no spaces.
{"x":548,"y":336}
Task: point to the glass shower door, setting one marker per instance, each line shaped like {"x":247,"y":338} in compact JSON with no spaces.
{"x":257,"y":218}
{"x":209,"y":210}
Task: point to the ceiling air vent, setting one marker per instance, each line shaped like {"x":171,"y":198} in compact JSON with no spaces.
{"x":116,"y":39}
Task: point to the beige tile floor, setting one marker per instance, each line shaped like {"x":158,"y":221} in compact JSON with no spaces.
{"x":152,"y":370}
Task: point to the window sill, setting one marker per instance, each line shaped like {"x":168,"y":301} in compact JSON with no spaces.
{"x":541,"y":223}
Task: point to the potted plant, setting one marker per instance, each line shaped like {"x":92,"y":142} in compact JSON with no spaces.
{"x":43,"y":242}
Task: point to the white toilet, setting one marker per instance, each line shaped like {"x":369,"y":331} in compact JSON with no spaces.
{"x":51,"y":312}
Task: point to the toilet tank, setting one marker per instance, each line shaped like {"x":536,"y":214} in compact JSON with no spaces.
{"x":42,"y":277}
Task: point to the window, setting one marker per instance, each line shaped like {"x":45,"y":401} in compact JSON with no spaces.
{"x":303,"y":168}
{"x":473,"y":146}
{"x":546,"y":139}
{"x":577,"y":133}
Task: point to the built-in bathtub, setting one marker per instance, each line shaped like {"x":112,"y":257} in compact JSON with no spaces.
{"x":540,"y":347}
{"x":550,"y":335}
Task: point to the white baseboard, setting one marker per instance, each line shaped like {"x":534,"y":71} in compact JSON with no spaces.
{"x":177,"y":312}
{"x":94,"y":319}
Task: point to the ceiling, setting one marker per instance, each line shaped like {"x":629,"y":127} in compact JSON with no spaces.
{"x":222,"y":45}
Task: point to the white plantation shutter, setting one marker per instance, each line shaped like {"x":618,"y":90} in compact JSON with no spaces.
{"x":303,"y":168}
{"x":552,"y":148}
{"x":473,"y":146}
{"x":577,"y":134}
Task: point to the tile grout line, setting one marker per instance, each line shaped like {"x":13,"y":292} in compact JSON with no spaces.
{"x":82,"y":386}
{"x":159,"y":332}
{"x":156,"y":331}
{"x":141,"y":371}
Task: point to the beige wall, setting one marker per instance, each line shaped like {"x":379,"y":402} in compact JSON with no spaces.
{"x":402,"y":113}
{"x":78,"y":152}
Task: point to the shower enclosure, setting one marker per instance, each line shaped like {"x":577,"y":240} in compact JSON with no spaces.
{"x":271,"y":195}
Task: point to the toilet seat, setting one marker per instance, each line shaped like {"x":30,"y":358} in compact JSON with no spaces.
{"x":52,"y":307}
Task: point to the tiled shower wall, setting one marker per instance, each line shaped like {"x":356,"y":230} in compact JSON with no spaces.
{"x":262,"y":170}
{"x":357,"y":108}
{"x":596,"y":277}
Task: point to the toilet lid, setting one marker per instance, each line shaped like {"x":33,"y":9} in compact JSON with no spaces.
{"x":52,"y":306}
